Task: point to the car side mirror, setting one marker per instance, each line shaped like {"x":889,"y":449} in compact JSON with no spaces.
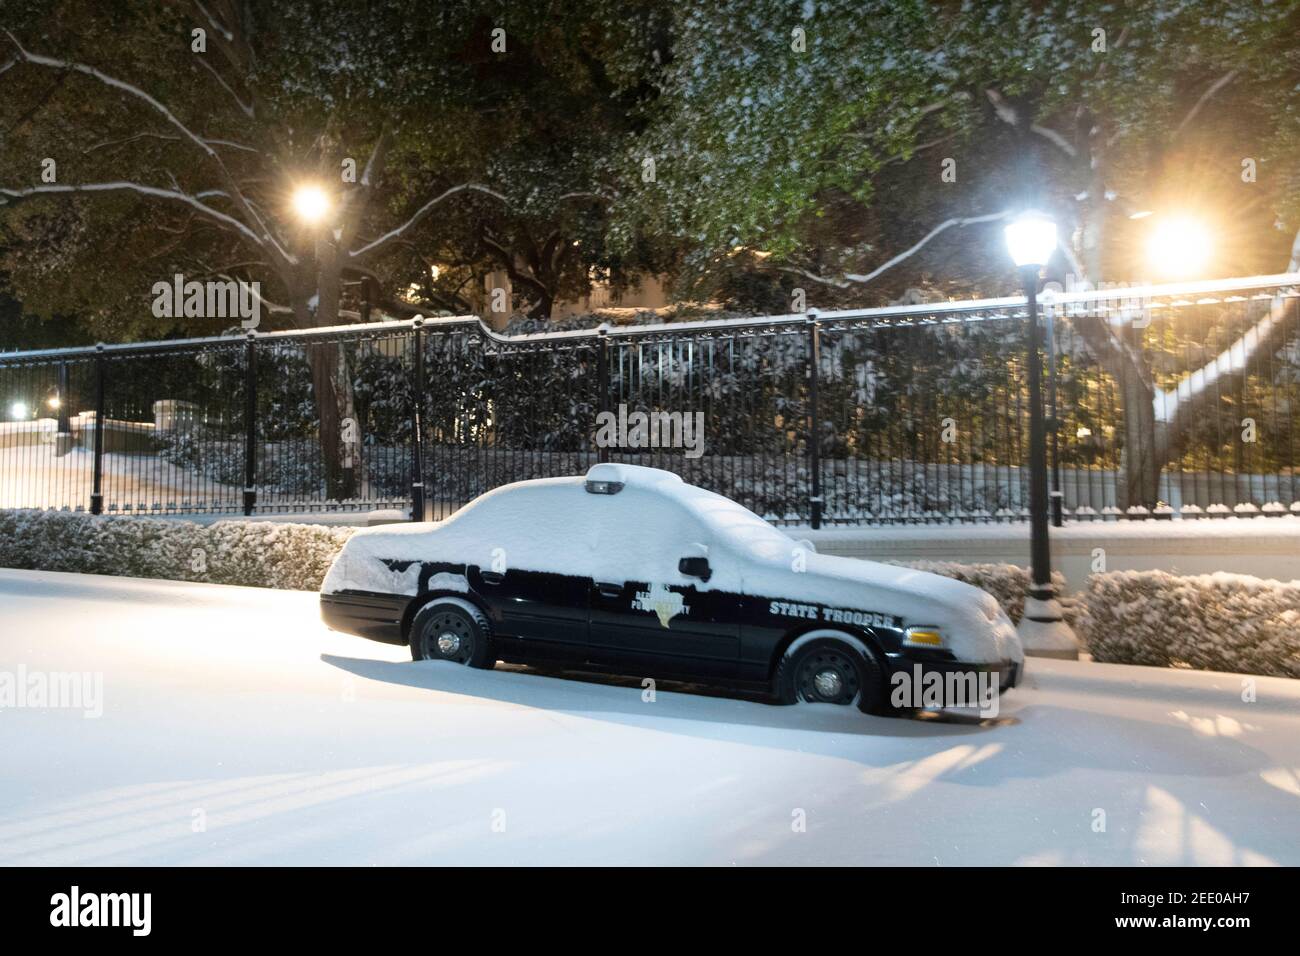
{"x":695,"y":567}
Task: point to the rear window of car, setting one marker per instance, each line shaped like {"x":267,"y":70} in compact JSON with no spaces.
{"x":538,"y":527}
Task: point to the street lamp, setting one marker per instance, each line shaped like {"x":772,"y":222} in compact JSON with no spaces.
{"x":310,"y":203}
{"x":1031,"y":240}
{"x":1179,"y":246}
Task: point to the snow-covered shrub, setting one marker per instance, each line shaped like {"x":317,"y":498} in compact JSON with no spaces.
{"x":204,"y":451}
{"x":1220,"y":622}
{"x":251,"y":553}
{"x":1006,"y":582}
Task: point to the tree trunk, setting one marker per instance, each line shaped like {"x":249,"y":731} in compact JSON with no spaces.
{"x":1140,"y":462}
{"x":325,"y":359}
{"x":339,"y":433}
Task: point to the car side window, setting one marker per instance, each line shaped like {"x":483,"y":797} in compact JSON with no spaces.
{"x":642,"y":536}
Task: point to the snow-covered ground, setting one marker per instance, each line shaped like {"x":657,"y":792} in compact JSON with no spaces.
{"x":236,"y":729}
{"x":32,"y":476}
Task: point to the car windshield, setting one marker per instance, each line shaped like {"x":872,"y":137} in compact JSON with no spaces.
{"x":739,"y":526}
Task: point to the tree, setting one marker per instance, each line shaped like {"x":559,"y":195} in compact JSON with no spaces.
{"x":848,"y":146}
{"x":192,"y":126}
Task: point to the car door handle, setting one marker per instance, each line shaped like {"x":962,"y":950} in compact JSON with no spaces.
{"x":610,"y":590}
{"x":492,"y":577}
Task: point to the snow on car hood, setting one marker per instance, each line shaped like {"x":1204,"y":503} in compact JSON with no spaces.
{"x":974,"y":626}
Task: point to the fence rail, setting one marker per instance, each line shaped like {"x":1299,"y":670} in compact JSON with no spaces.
{"x":1178,"y":399}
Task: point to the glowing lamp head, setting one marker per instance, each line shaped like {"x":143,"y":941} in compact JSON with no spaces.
{"x":310,"y":203}
{"x":1179,"y":247}
{"x":1031,"y":239}
{"x":18,"y":412}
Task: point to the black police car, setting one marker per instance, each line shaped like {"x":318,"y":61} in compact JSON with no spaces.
{"x":630,"y":570}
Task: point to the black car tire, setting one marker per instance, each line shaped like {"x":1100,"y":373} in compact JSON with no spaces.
{"x":468,"y":637}
{"x":835,"y":669}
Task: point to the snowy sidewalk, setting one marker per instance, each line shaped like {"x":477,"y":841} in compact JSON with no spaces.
{"x":236,"y":729}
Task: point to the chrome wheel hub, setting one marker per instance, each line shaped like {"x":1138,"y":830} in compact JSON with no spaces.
{"x":828,"y":683}
{"x":448,"y":643}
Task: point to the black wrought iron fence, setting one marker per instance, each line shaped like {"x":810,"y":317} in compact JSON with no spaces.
{"x":1167,"y":400}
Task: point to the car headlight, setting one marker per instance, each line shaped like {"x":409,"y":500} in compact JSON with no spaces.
{"x":923,"y":637}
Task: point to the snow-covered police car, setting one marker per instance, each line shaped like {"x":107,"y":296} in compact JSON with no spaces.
{"x":630,"y":570}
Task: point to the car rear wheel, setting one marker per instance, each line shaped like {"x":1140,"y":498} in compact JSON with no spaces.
{"x":456,"y":632}
{"x":833,"y":669}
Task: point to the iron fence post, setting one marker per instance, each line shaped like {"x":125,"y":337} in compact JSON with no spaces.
{"x":250,"y":423}
{"x":97,"y":475}
{"x":65,"y":400}
{"x":602,"y":385}
{"x":417,"y":437}
{"x":1055,"y":495}
{"x":814,"y":418}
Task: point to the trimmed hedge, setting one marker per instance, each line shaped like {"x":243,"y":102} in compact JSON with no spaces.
{"x":1218,"y":622}
{"x":250,"y":553}
{"x":1006,"y":582}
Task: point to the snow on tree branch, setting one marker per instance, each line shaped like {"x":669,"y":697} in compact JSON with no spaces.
{"x":1237,"y":359}
{"x":214,"y":22}
{"x":267,"y":239}
{"x":153,"y":191}
{"x":420,"y":213}
{"x":38,"y":60}
{"x":852,"y":278}
{"x":159,"y":136}
{"x":1011,"y":116}
{"x":244,"y":108}
{"x":1214,"y":88}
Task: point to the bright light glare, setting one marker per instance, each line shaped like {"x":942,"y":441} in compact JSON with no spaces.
{"x":1031,"y":239}
{"x":310,"y":203}
{"x":18,"y":411}
{"x":1179,"y":247}
{"x":53,"y":401}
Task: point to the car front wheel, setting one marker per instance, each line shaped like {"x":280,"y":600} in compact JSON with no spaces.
{"x":456,"y":632}
{"x":832,"y":668}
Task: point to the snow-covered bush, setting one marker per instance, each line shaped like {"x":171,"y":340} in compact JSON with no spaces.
{"x":1006,"y":582}
{"x":1220,"y":622}
{"x":251,"y":553}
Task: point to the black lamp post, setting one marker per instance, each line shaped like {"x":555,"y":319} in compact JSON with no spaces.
{"x":1031,"y":239}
